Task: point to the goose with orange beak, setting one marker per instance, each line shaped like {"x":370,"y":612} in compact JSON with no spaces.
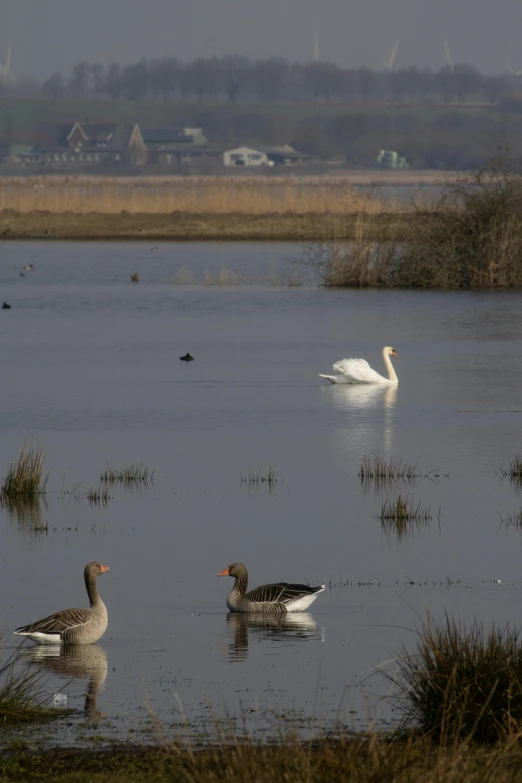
{"x":277,"y":598}
{"x":73,"y":626}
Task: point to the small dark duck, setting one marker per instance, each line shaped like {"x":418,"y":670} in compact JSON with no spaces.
{"x":186,"y":358}
{"x":5,"y":306}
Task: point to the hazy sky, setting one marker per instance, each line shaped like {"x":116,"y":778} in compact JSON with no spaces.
{"x":51,"y":35}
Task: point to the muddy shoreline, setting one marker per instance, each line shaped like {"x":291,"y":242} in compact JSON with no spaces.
{"x":182,"y":226}
{"x":359,"y":758}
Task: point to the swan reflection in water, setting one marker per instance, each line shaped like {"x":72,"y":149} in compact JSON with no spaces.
{"x":363,"y":396}
{"x":294,"y":625}
{"x":374,"y":405}
{"x":75,"y":661}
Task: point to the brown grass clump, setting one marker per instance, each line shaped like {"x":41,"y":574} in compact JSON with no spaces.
{"x":25,"y":478}
{"x":475,"y":237}
{"x":463,"y":684}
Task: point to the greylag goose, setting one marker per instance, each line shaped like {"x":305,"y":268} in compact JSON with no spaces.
{"x":73,"y":626}
{"x":277,"y":598}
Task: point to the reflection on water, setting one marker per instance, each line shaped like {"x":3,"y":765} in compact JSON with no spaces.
{"x":365,"y":400}
{"x":75,"y":661}
{"x":363,"y":395}
{"x":28,"y":512}
{"x":294,"y":625}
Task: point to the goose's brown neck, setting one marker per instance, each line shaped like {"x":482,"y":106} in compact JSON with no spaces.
{"x":92,"y":588}
{"x":241,"y":583}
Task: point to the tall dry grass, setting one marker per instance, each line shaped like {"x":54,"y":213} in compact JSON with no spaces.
{"x":215,"y":195}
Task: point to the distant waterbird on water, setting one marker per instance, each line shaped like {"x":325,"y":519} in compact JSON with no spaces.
{"x":186,"y":358}
{"x":6,"y":306}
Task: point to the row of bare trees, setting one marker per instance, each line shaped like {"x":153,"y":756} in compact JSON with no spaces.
{"x":237,"y":79}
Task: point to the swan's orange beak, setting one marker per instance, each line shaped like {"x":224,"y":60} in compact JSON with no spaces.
{"x":104,"y":568}
{"x":224,"y":573}
{"x":394,"y":354}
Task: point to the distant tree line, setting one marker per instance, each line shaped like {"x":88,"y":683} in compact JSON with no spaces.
{"x":237,"y":79}
{"x":439,"y":139}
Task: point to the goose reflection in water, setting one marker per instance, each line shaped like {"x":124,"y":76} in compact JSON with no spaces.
{"x":75,"y":661}
{"x":291,"y":626}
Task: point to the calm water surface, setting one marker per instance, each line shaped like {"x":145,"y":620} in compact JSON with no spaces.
{"x":90,"y":369}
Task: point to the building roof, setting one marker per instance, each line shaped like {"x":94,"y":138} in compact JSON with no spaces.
{"x":154,"y":137}
{"x":103,"y":136}
{"x":244,"y":150}
{"x":51,"y":135}
{"x":285,"y":151}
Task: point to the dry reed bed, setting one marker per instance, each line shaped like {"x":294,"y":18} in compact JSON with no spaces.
{"x":211,"y":195}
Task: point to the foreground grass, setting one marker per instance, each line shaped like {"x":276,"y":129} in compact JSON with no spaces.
{"x":21,"y":693}
{"x":368,"y":759}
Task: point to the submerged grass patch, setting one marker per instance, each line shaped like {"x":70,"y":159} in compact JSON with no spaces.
{"x":255,"y":478}
{"x":98,"y":496}
{"x":402,"y":517}
{"x":384,"y":468}
{"x":129,"y":474}
{"x":512,"y":520}
{"x":513,"y":470}
{"x":462,"y":684}
{"x":25,"y":478}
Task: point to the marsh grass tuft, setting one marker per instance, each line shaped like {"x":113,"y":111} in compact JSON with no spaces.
{"x":129,"y":474}
{"x":462,"y":684}
{"x":255,"y":478}
{"x":25,"y":478}
{"x":513,"y":470}
{"x":98,"y":496}
{"x":382,"y":469}
{"x":402,"y":517}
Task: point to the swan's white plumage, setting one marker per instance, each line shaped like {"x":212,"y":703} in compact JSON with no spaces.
{"x":359,"y":371}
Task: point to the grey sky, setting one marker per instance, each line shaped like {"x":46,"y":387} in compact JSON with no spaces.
{"x":50,"y":35}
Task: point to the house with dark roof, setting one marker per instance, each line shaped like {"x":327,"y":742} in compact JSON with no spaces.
{"x":168,"y":146}
{"x":85,"y":144}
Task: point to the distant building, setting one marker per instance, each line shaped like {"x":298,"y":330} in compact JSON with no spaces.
{"x":18,"y":153}
{"x":245,"y":156}
{"x":85,"y":143}
{"x":285,"y":155}
{"x":170,"y":146}
{"x":264,"y":156}
{"x":389,"y":159}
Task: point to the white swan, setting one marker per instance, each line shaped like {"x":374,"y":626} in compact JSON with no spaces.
{"x":359,"y":371}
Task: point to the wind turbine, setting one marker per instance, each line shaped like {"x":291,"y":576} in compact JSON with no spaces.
{"x":447,"y":52}
{"x":510,"y":69}
{"x":5,"y":70}
{"x":388,"y":64}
